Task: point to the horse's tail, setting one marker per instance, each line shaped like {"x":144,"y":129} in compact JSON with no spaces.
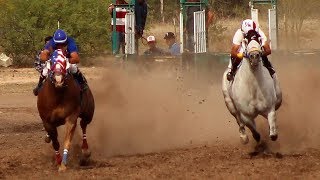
{"x":278,"y":92}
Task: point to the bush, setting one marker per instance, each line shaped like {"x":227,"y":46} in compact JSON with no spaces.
{"x":24,"y":25}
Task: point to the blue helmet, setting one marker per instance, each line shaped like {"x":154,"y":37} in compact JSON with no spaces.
{"x":60,"y":36}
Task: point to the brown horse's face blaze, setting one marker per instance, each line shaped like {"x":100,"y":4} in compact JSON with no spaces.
{"x":59,"y":68}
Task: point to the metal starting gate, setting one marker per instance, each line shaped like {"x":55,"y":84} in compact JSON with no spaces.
{"x":130,"y":33}
{"x":200,"y":45}
{"x":272,"y":16}
{"x":129,"y":28}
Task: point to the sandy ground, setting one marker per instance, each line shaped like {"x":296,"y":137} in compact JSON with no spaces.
{"x":157,"y":123}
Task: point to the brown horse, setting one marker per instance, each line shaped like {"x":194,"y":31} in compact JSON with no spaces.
{"x":61,"y":102}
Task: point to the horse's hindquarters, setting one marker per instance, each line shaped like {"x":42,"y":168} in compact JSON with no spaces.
{"x":87,"y":106}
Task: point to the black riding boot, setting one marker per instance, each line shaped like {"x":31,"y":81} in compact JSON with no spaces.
{"x":81,"y":80}
{"x":37,"y":88}
{"x":235,"y":63}
{"x":268,"y":65}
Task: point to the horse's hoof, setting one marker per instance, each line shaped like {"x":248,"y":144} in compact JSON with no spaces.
{"x":84,"y":161}
{"x":244,"y":139}
{"x":47,"y":139}
{"x":62,"y":168}
{"x":85,"y":158}
{"x":58,"y":159}
{"x":274,"y":137}
{"x":86,"y":153}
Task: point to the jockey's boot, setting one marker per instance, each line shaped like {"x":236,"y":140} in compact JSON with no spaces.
{"x":81,"y":80}
{"x":268,"y":65}
{"x":235,"y":63}
{"x":37,"y":88}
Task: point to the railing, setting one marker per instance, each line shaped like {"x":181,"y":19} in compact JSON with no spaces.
{"x":130,"y":33}
{"x":200,"y":45}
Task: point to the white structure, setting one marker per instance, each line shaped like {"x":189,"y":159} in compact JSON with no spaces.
{"x":5,"y":61}
{"x":130,"y":33}
{"x":199,"y":31}
{"x":272,"y":17}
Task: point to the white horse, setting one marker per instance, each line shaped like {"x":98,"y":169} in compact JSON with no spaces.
{"x":253,"y":92}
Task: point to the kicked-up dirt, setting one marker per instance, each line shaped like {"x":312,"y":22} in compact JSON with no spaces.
{"x":163,"y":124}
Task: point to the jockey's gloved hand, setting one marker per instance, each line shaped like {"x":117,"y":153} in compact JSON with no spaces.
{"x":236,"y":59}
{"x":240,"y":56}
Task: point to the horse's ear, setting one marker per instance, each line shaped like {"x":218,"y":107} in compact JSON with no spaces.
{"x":260,"y":40}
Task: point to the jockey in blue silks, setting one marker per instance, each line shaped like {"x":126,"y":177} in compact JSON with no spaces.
{"x":60,"y":40}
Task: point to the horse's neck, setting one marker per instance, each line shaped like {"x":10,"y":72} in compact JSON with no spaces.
{"x":70,"y":85}
{"x":247,"y":74}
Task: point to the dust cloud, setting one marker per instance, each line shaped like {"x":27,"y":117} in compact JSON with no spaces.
{"x":298,"y":117}
{"x":155,"y":109}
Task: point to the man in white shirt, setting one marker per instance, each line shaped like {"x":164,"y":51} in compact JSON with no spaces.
{"x":248,"y":26}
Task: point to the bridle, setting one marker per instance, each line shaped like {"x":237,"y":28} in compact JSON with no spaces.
{"x":254,"y":52}
{"x":58,"y":67}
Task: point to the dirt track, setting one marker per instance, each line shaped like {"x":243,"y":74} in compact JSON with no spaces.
{"x":158,"y":126}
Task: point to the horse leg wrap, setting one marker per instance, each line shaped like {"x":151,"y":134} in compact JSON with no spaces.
{"x":84,"y":142}
{"x":65,"y":156}
{"x":58,"y":158}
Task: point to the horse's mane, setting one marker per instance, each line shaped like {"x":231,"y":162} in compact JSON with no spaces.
{"x":252,"y":35}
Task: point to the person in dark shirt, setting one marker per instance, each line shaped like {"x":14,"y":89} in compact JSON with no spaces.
{"x":141,"y":12}
{"x":153,"y":49}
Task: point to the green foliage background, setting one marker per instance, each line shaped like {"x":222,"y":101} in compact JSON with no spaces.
{"x":25,"y":23}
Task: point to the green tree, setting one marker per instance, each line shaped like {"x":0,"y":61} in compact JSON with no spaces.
{"x":25,"y":23}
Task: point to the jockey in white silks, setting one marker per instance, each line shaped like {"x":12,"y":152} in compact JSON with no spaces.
{"x":237,"y":51}
{"x":251,"y":91}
